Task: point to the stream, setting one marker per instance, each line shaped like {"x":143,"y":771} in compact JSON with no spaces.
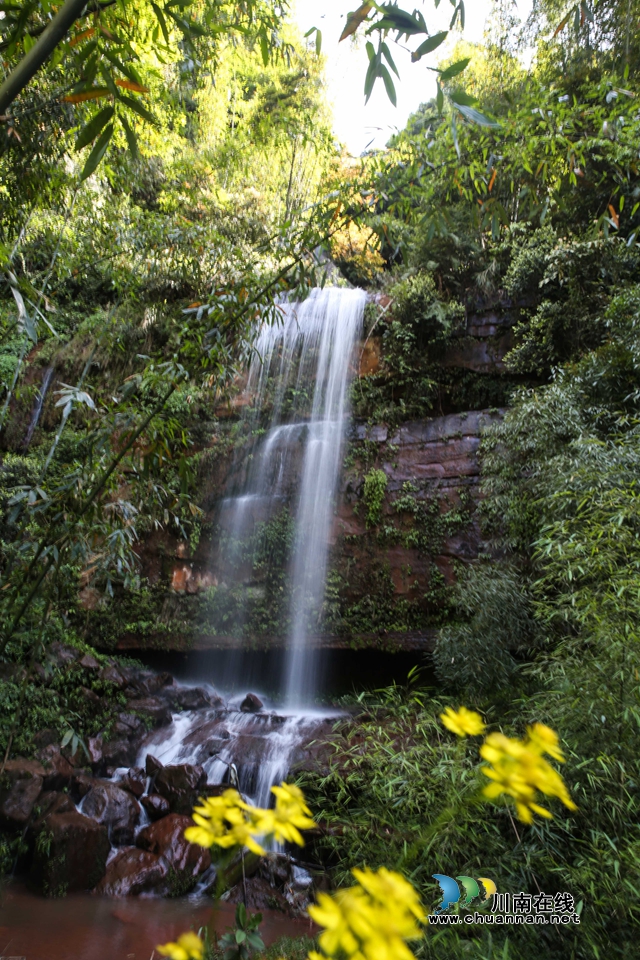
{"x":85,"y":927}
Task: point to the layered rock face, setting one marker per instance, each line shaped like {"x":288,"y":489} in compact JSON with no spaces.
{"x":405,"y":558}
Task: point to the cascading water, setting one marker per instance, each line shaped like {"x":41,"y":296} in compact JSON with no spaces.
{"x":300,"y":371}
{"x":302,"y":366}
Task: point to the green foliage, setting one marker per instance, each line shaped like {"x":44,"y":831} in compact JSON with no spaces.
{"x":420,"y":325}
{"x":61,"y":701}
{"x":373,"y":492}
{"x":244,"y":941}
{"x":478,"y":650}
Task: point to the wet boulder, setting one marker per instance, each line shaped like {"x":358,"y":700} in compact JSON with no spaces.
{"x":134,"y":781}
{"x":50,"y":802}
{"x":150,"y":684}
{"x":128,"y":725}
{"x":58,"y":770}
{"x":133,"y":871}
{"x":251,"y":704}
{"x":192,"y":698}
{"x":155,"y":805}
{"x":94,"y":749}
{"x":80,"y":784}
{"x":152,"y":765}
{"x":181,"y":785}
{"x":20,"y":787}
{"x":118,"y":753}
{"x":153,"y":708}
{"x":108,"y":804}
{"x":166,"y":839}
{"x":70,"y":855}
{"x":111,"y":674}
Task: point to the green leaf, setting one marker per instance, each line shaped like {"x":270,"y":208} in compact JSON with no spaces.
{"x":138,"y":108}
{"x":459,"y":97}
{"x":97,"y":153}
{"x":67,"y":737}
{"x":91,"y":130}
{"x":455,"y":69}
{"x":476,"y":117}
{"x":396,"y":19}
{"x":440,"y":99}
{"x":387,"y":54}
{"x":132,"y":141}
{"x":432,"y":43}
{"x":264,"y":46}
{"x":162,"y":21}
{"x":124,"y":68}
{"x":372,"y":71}
{"x":318,"y":34}
{"x":240,"y":936}
{"x":388,"y":83}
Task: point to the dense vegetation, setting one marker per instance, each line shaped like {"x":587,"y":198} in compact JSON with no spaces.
{"x":140,"y":285}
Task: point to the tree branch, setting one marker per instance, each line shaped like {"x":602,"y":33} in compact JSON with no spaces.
{"x":56,"y":31}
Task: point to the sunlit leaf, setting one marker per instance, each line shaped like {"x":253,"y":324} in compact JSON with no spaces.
{"x":95,"y":94}
{"x":131,"y":85}
{"x":354,"y":20}
{"x":387,"y":55}
{"x":475,"y":116}
{"x":79,"y":37}
{"x":162,"y":21}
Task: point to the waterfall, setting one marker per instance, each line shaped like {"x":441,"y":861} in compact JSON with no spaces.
{"x":296,"y":410}
{"x":299,"y":377}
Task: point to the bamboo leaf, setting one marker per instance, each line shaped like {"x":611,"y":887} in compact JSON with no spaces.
{"x":97,"y":153}
{"x":428,"y":45}
{"x":476,"y":117}
{"x":354,"y":20}
{"x":95,"y":94}
{"x":91,"y":130}
{"x":132,"y":141}
{"x":162,"y":21}
{"x":456,"y":68}
{"x":138,"y":108}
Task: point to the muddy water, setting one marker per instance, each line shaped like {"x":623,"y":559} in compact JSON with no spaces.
{"x":84,"y":927}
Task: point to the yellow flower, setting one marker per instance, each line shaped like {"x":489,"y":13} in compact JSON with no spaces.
{"x":224,"y":821}
{"x":463,"y":722}
{"x":227,"y":821}
{"x":370,"y":921}
{"x":291,"y":815}
{"x":518,"y":769}
{"x":545,"y":740}
{"x":188,"y":947}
